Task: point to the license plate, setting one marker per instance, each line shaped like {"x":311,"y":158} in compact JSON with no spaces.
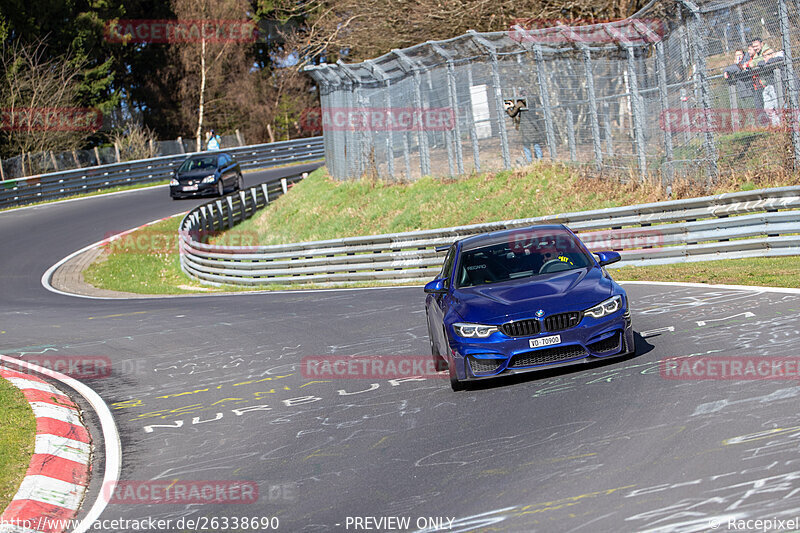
{"x":545,"y":341}
{"x":190,"y":187}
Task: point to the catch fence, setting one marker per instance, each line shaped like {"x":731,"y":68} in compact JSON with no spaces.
{"x":646,"y":95}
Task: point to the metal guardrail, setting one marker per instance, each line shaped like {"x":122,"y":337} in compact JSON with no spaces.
{"x":70,"y":182}
{"x":744,"y":224}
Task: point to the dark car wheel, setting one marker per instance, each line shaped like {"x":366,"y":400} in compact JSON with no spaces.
{"x":240,"y":183}
{"x":220,"y":188}
{"x":438,"y":360}
{"x":455,"y":384}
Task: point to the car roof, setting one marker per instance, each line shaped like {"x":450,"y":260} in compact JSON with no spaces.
{"x":497,"y":237}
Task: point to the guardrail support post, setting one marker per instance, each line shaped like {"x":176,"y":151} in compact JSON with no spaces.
{"x":266,"y":193}
{"x":229,"y":199}
{"x":220,"y":224}
{"x":243,"y":205}
{"x":284,"y":186}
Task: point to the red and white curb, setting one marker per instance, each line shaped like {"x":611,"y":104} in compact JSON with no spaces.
{"x":54,"y":485}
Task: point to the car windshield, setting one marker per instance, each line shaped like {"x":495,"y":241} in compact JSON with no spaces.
{"x":521,"y":256}
{"x":199,"y":163}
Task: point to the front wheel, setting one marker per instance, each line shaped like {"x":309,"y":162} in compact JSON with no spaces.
{"x":455,"y":384}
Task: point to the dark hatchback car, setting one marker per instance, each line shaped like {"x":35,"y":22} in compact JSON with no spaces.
{"x":206,"y":174}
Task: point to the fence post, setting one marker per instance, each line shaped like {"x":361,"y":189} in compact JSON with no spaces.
{"x":453,"y":94}
{"x":685,"y":115}
{"x":607,"y":128}
{"x":789,"y":76}
{"x":387,"y":103}
{"x":587,"y":63}
{"x":544,"y":94}
{"x":573,"y":156}
{"x":410,"y":67}
{"x":661,"y":65}
{"x":473,"y":131}
{"x":2,"y":174}
{"x":97,"y":156}
{"x":180,"y":145}
{"x":698,"y":36}
{"x":498,"y":95}
{"x":116,"y":153}
{"x":75,"y":158}
{"x":638,"y":115}
{"x":239,"y":137}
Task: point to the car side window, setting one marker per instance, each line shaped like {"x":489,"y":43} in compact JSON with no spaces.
{"x":221,"y":162}
{"x":447,"y":267}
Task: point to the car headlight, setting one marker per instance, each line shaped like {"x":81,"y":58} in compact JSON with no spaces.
{"x":174,"y":181}
{"x":607,"y":307}
{"x":209,"y":179}
{"x":479,"y":331}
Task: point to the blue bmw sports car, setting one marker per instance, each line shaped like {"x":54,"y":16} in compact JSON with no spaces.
{"x":523,"y":300}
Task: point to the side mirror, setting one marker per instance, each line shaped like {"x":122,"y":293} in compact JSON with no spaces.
{"x":606,"y":258}
{"x":435,"y":287}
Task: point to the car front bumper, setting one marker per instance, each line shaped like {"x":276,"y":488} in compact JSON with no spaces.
{"x":498,"y":355}
{"x":203,"y":189}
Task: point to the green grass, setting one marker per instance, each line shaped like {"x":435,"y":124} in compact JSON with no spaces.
{"x":17,"y":430}
{"x":759,"y":271}
{"x":322,"y":208}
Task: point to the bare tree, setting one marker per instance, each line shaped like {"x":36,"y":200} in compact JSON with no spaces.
{"x":135,"y":141}
{"x":368,"y":28}
{"x":38,"y":99}
{"x":208,"y":65}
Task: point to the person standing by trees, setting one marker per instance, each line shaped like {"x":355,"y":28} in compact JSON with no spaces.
{"x":213,"y":141}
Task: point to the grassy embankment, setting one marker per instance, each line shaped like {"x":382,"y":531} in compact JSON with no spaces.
{"x":322,"y":208}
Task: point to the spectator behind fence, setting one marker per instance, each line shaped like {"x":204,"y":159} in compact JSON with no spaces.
{"x":530,"y":131}
{"x":213,"y":141}
{"x":735,"y":74}
{"x":756,"y":51}
{"x":770,"y":76}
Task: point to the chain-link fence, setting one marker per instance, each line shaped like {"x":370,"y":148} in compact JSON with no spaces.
{"x":659,"y":93}
{"x":32,"y":164}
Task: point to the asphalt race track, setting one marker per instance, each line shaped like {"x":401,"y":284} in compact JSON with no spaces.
{"x":209,"y":388}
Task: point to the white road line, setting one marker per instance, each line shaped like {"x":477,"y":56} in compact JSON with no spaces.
{"x":711,"y":286}
{"x":657,"y":331}
{"x":68,"y":200}
{"x":111,"y":441}
{"x":746,"y":314}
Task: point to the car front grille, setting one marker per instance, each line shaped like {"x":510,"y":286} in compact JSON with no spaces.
{"x":547,"y":355}
{"x":606,"y":345}
{"x":562,"y":321}
{"x":521,"y":328}
{"x":485,"y":366}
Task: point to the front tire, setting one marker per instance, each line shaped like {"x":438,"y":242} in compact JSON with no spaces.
{"x":455,"y":384}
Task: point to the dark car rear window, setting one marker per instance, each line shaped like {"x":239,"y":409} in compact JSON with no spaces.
{"x":199,"y":163}
{"x":538,"y":255}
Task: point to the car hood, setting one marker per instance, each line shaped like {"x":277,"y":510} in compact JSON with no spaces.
{"x":513,"y":300}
